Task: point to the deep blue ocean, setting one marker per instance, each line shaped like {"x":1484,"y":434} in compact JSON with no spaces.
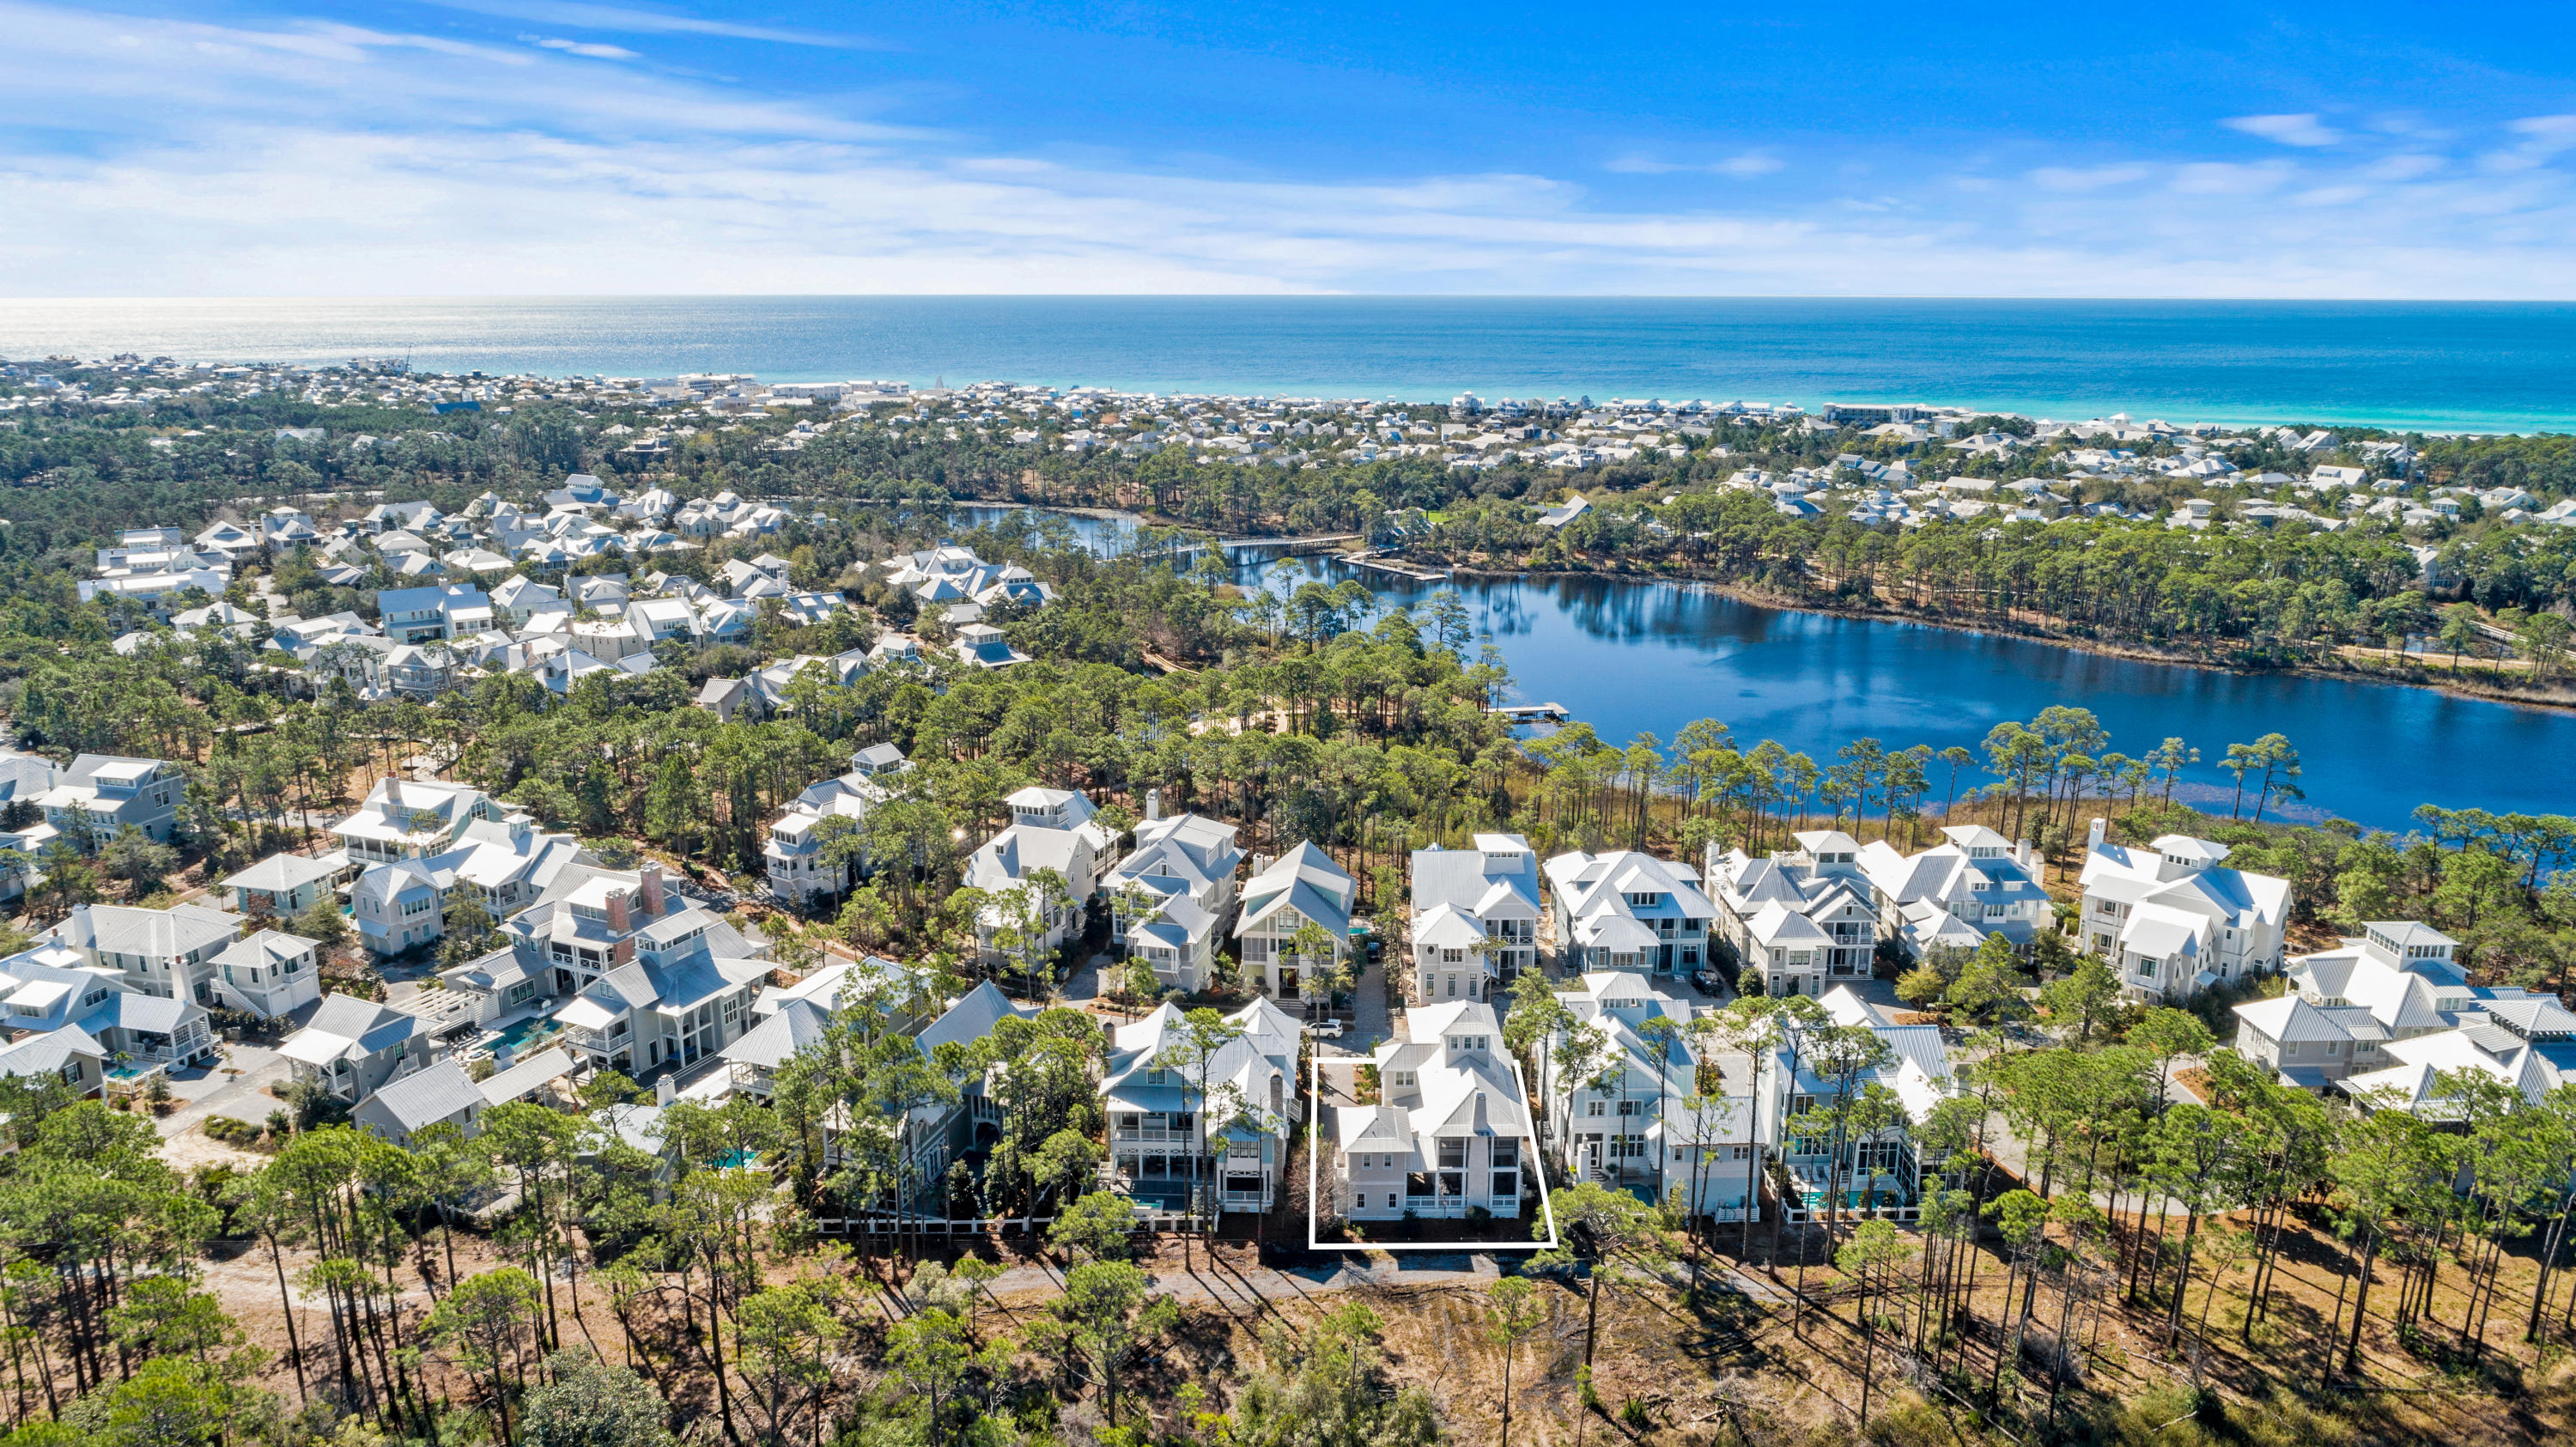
{"x":2464,"y":366}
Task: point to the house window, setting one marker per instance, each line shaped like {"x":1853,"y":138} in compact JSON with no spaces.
{"x":1595,"y":1107}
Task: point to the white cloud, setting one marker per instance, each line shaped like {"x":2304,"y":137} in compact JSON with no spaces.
{"x":2303,"y":129}
{"x":591,"y":49}
{"x":2087,"y":178}
{"x":1751,"y":163}
{"x":1743,"y":167}
{"x":632,"y":21}
{"x":2227,"y":178}
{"x":2542,"y":137}
{"x":334,"y":160}
{"x":2405,"y":166}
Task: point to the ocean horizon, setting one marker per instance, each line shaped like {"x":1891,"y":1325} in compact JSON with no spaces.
{"x":2434,"y":366}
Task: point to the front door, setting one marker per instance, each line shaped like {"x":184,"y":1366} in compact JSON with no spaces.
{"x":1592,"y":1159}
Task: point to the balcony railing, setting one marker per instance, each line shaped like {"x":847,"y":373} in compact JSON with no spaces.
{"x":1151,"y":1135}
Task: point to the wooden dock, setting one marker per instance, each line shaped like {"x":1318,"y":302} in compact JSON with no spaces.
{"x":1534,"y":712}
{"x":1411,"y":571}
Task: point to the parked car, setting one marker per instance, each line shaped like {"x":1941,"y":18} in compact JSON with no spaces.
{"x":1326,"y":1029}
{"x":1709,"y":982}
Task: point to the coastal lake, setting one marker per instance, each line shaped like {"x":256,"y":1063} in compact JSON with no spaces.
{"x":1630,"y":657}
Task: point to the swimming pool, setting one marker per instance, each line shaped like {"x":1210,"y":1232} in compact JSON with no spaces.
{"x":516,"y":1036}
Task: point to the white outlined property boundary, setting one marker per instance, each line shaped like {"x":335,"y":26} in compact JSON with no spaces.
{"x":1314,"y":1167}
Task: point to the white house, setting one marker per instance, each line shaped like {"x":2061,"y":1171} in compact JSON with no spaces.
{"x":1475,"y":916}
{"x":1974,"y":884}
{"x":1627,"y":1117}
{"x":2170,"y":919}
{"x":353,"y":1048}
{"x":405,"y":818}
{"x":1450,"y":1133}
{"x":1179,"y":1125}
{"x":1182,"y":873}
{"x":1283,"y":896}
{"x":162,"y":952}
{"x":1623,"y":910}
{"x":269,"y":973}
{"x":1875,"y":1171}
{"x":1051,"y":829}
{"x":793,"y":859}
{"x":1795,"y":921}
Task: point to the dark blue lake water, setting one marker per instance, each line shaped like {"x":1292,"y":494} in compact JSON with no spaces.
{"x":1633,"y":657}
{"x":1642,"y":657}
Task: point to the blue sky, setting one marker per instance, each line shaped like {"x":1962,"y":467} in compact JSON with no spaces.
{"x":567,"y":146}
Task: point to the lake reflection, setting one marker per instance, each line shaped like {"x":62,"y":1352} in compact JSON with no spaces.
{"x":1631,"y":657}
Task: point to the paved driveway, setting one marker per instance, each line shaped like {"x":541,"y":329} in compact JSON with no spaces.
{"x":211,"y":1092}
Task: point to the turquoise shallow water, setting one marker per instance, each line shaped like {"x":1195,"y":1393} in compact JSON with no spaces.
{"x":2439,"y":365}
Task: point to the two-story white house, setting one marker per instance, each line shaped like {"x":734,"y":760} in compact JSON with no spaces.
{"x":1450,"y":1132}
{"x":1640,"y":1100}
{"x":1624,"y":910}
{"x":2170,"y":919}
{"x":353,"y":1048}
{"x":1215,"y":1129}
{"x":1475,"y":917}
{"x":1301,"y":887}
{"x":283,"y":886}
{"x":268,"y":973}
{"x":406,"y":818}
{"x":503,"y":867}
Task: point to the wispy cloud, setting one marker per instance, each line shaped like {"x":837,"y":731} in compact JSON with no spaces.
{"x":592,"y":49}
{"x":630,"y":20}
{"x":325,"y":158}
{"x":2303,"y":129}
{"x":2538,"y":139}
{"x":1743,"y":166}
{"x":2088,"y":178}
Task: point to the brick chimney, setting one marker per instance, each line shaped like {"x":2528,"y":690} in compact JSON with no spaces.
{"x":617,"y":918}
{"x":652,"y":891}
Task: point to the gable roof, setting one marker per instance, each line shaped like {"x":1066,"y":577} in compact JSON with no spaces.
{"x":422,"y":1098}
